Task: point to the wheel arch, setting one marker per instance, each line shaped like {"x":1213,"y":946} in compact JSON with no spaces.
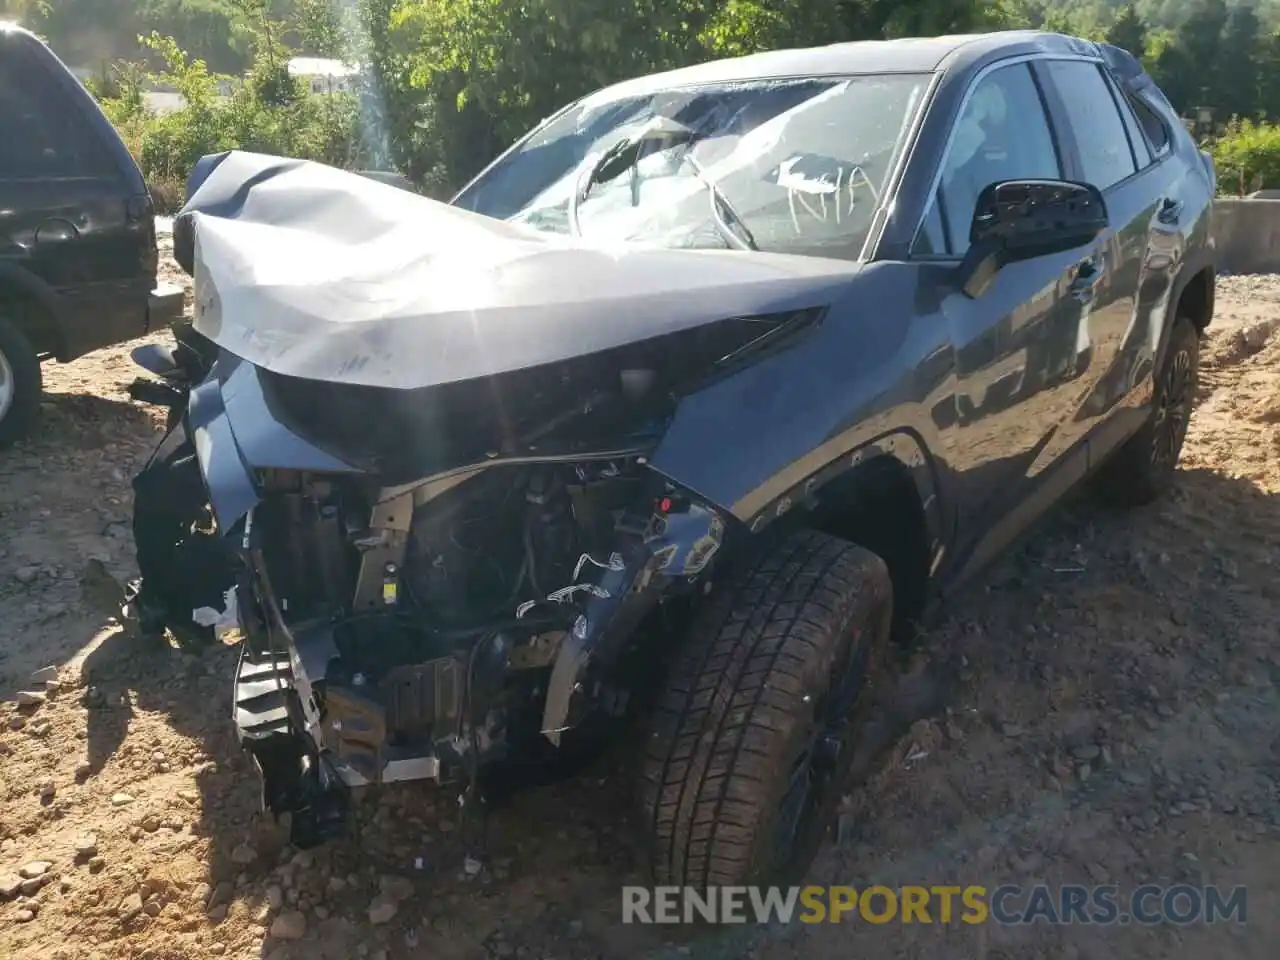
{"x":27,"y":302}
{"x":883,"y":496}
{"x":1194,"y":296}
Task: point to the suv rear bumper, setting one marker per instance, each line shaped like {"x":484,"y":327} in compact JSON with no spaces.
{"x":99,"y":315}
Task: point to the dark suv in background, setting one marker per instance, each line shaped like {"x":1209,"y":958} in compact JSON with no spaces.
{"x":78,"y":254}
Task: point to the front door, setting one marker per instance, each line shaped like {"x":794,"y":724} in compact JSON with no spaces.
{"x":1013,"y":344}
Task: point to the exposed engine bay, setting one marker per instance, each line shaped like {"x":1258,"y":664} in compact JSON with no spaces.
{"x":432,"y":628}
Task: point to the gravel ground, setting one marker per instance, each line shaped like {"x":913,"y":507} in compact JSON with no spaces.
{"x":1111,"y":716}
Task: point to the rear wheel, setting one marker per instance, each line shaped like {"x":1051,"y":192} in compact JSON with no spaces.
{"x":20,"y":384}
{"x":751,"y":741}
{"x":1143,"y":468}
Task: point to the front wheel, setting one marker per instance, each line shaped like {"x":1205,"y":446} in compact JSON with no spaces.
{"x":751,"y":741}
{"x":1143,"y":468}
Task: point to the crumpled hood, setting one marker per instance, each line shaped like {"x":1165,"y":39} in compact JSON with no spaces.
{"x":312,"y":272}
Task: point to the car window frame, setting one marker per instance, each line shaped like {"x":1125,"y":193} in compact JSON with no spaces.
{"x":1134,"y":100}
{"x":1059,"y":103}
{"x":1133,"y":128}
{"x":1064,"y":146}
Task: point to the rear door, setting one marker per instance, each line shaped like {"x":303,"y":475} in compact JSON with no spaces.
{"x":69,"y":214}
{"x":1122,"y":308}
{"x":1013,"y":344}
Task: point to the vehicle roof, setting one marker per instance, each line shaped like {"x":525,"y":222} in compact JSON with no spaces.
{"x":15,"y":33}
{"x":10,"y":27}
{"x":956,"y":52}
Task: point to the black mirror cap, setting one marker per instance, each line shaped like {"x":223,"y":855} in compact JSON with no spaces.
{"x":1027,"y":218}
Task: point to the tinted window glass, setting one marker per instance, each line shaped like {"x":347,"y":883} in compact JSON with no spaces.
{"x":1154,"y":127}
{"x":796,"y":166}
{"x":1136,"y":139}
{"x":1095,"y":121}
{"x":1002,"y":133}
{"x":42,"y":130}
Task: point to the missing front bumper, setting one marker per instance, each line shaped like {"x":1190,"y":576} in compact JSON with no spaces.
{"x":309,"y":761}
{"x":296,"y":778}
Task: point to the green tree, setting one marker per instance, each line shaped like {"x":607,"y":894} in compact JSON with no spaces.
{"x":23,"y":11}
{"x":326,"y":28}
{"x":1129,"y":32}
{"x":1015,"y":14}
{"x":1199,"y":40}
{"x":487,"y":70}
{"x":1237,"y":92}
{"x":1269,"y":75}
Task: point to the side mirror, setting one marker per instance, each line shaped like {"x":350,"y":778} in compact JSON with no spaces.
{"x":1018,"y":219}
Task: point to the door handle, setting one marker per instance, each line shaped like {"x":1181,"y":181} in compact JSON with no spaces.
{"x":1089,"y":275}
{"x":1170,"y":210}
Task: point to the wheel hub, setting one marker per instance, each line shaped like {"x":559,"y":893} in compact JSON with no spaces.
{"x":1174,"y":409}
{"x":817,"y":770}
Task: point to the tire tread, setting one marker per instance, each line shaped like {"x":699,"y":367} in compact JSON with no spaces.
{"x":735,"y":695}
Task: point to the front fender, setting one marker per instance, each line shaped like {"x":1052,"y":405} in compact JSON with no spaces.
{"x":863,"y":384}
{"x":228,"y":479}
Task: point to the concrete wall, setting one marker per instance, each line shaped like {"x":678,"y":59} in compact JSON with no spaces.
{"x":1248,"y":235}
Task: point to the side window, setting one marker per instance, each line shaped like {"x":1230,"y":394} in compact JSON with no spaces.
{"x":1157,"y":132}
{"x":1105,"y":153}
{"x":1141,"y":152}
{"x":43,"y":133}
{"x":1002,"y":133}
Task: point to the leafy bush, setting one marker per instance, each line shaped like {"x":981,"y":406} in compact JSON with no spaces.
{"x":267,"y":112}
{"x":1247,"y":156}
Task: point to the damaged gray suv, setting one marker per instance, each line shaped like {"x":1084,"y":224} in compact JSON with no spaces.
{"x":670,"y":418}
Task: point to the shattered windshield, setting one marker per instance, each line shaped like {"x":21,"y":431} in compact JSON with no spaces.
{"x":786,"y":166}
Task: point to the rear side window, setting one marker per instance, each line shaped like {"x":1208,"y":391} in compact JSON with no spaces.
{"x":1095,"y":121}
{"x":1157,"y":133}
{"x":43,"y":133}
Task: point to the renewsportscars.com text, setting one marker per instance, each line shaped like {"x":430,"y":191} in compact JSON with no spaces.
{"x":1181,"y":904}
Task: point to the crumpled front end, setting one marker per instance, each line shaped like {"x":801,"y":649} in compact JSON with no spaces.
{"x":427,"y":447}
{"x":430,"y":630}
{"x":471,"y":617}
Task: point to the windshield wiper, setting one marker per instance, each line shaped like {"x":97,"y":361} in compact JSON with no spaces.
{"x":747,"y":241}
{"x":626,"y":154}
